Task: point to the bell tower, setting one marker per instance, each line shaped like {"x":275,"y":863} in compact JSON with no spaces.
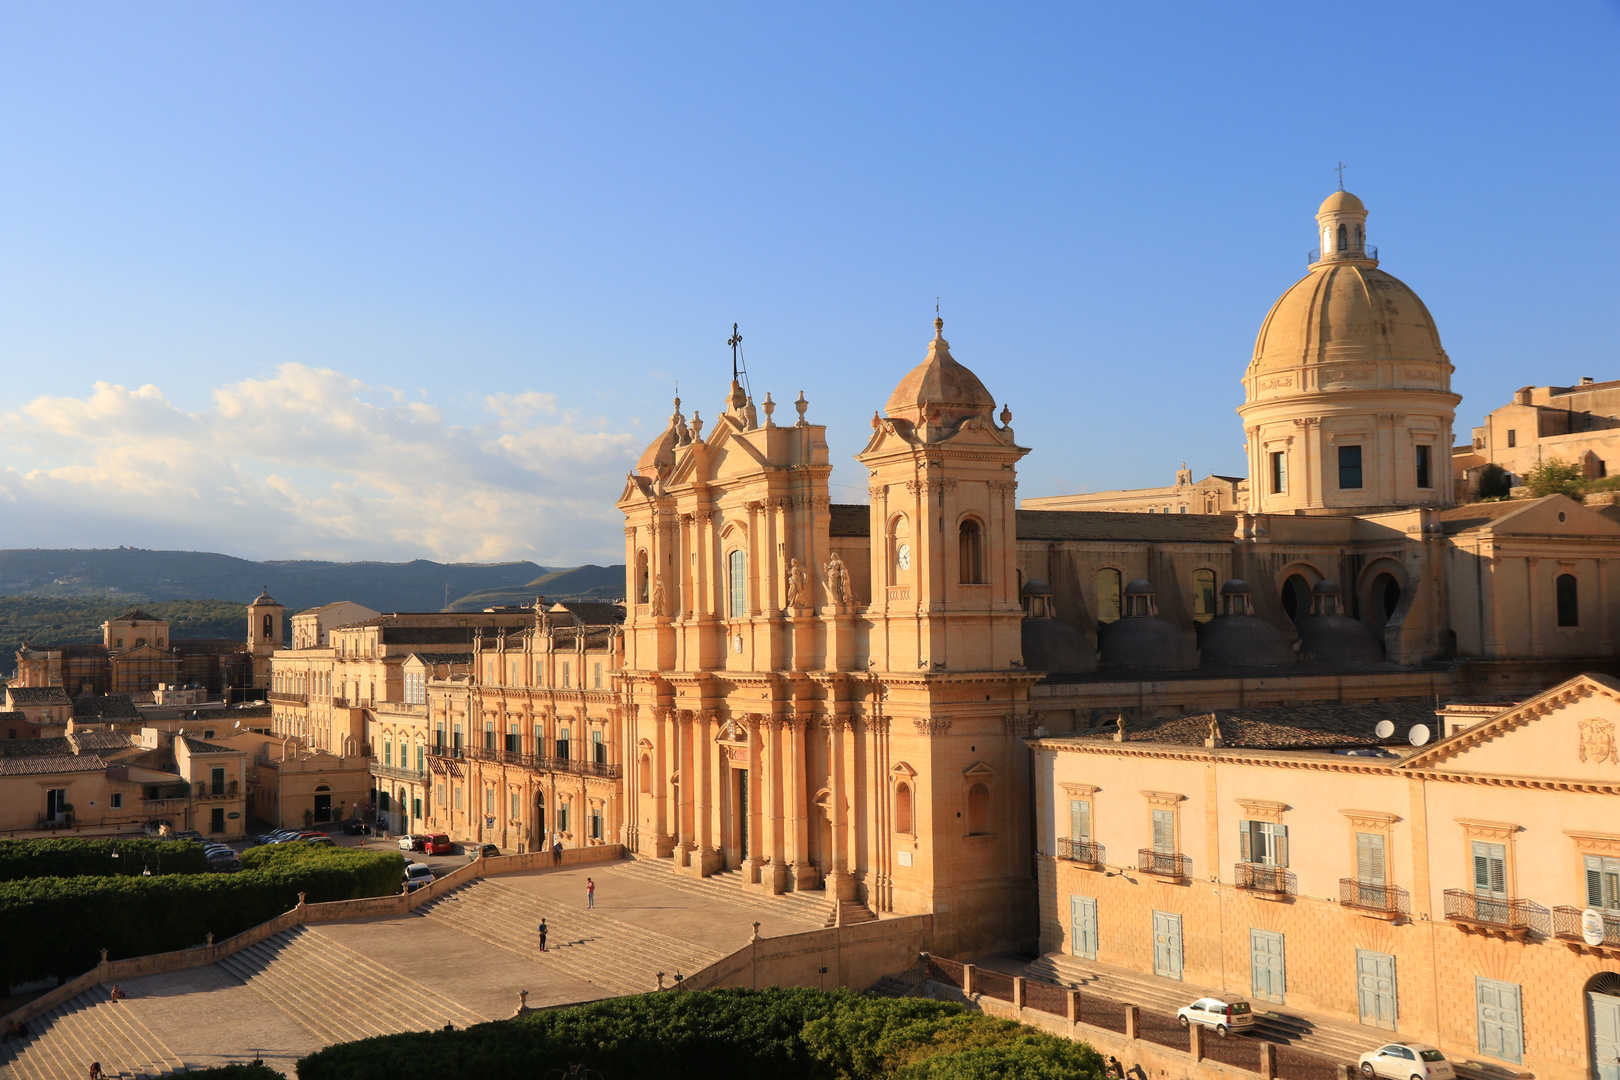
{"x":264,"y":634}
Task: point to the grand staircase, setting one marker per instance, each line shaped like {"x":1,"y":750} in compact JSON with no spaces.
{"x":615,"y":956}
{"x":336,"y":993}
{"x":814,"y":907}
{"x":91,"y":1027}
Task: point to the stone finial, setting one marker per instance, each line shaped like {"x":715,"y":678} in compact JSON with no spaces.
{"x":939,"y":328}
{"x":1006,"y":415}
{"x":1119,"y":724}
{"x":1214,"y":739}
{"x":523,"y":1003}
{"x":660,"y":980}
{"x":801,"y":405}
{"x":210,"y":939}
{"x":697,"y":426}
{"x":103,"y":956}
{"x":769,"y":406}
{"x":756,"y":931}
{"x":877,"y":420}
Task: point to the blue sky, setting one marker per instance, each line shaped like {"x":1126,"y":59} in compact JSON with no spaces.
{"x":399,"y":280}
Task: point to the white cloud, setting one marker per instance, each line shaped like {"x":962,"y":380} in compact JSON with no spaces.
{"x":312,"y":463}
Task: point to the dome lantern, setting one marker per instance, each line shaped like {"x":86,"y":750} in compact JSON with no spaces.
{"x":1341,"y":226}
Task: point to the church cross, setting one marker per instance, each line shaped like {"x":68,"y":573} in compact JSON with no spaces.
{"x":1341,"y":175}
{"x":734,"y":340}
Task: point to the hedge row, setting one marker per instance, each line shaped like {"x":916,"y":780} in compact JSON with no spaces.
{"x":58,"y":926}
{"x":72,"y":857}
{"x":776,"y":1034}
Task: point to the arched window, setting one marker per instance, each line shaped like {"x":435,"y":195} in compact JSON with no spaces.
{"x":1107,"y":581}
{"x":902,"y":809}
{"x":971,"y":555}
{"x":738,"y":572}
{"x":646,"y":774}
{"x":643,"y":579}
{"x":1344,"y":238}
{"x":1203,"y":595}
{"x":899,"y":549}
{"x":1360,"y":244}
{"x":1296,"y":597}
{"x":118,"y":643}
{"x":1569,"y":609}
{"x":978,"y":810}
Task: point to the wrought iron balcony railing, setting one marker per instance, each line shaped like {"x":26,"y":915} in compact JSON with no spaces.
{"x":1081,"y":851}
{"x":1276,"y":880}
{"x":1163,"y":863}
{"x":1366,"y":251}
{"x":1567,"y":925}
{"x":1491,"y":914}
{"x":1374,"y":897}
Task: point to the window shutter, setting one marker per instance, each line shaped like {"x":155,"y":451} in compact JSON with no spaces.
{"x":1370,"y":858}
{"x":1164,"y":832}
{"x":1594,"y":881}
{"x":1279,"y":845}
{"x":1245,"y":842}
{"x":1079,"y":819}
{"x":1490,"y":869}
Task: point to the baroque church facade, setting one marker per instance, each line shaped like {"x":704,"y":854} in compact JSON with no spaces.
{"x":816,"y":695}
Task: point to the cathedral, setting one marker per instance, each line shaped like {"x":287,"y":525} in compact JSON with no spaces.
{"x":816,"y":695}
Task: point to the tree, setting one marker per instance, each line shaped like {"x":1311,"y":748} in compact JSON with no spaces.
{"x":1555,"y":477}
{"x":1495,"y":482}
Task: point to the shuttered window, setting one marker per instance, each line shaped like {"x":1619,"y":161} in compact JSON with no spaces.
{"x":1490,"y":869}
{"x":1263,"y":842}
{"x":1164,"y":832}
{"x":738,"y":574}
{"x":1603,"y":882}
{"x":1370,"y":858}
{"x":1079,"y":819}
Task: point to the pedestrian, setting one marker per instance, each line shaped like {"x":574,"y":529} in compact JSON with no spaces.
{"x":95,"y":1071}
{"x":556,"y":852}
{"x":542,"y":935}
{"x":590,"y":893}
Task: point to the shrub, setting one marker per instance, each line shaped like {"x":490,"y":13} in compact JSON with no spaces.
{"x":74,"y":857}
{"x":1495,"y":482}
{"x":778,"y":1034}
{"x":234,"y":1072}
{"x":58,"y":925}
{"x":1555,"y":477}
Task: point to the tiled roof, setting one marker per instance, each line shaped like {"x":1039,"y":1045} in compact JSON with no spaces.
{"x":106,"y":707}
{"x":199,"y":746}
{"x":38,"y":695}
{"x":137,"y":615}
{"x":99,"y":740}
{"x":1107,"y":525}
{"x":247,"y":710}
{"x":13,"y":717}
{"x":194,"y":646}
{"x":851,"y":519}
{"x":45,"y":764}
{"x":429,"y":635}
{"x":594,"y":613}
{"x":1286,"y":727}
{"x":1456,"y":519}
{"x":33,"y":747}
{"x":444,"y":657}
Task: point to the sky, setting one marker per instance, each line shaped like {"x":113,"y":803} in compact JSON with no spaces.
{"x":409,"y":280}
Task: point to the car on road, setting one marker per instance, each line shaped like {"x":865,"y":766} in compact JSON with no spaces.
{"x":479,"y":851}
{"x":411,"y":842}
{"x":187,"y":834}
{"x":1222,"y":1015}
{"x":319,"y":840}
{"x":224,"y":859}
{"x":417,"y":875}
{"x":438,"y":844}
{"x":356,"y":827}
{"x":1407,"y":1061}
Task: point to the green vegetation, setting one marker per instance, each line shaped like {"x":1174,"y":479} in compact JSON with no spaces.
{"x":58,"y":925}
{"x":1495,"y":482}
{"x":233,"y":1072}
{"x":1555,"y":477}
{"x":98,"y":858}
{"x":778,"y":1034}
{"x":42,"y":620}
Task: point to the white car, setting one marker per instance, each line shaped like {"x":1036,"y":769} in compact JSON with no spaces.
{"x":409,"y":843}
{"x":1407,"y":1061}
{"x":1223,"y":1016}
{"x":417,"y":875}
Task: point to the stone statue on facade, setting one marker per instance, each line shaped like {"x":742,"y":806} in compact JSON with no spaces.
{"x":837,"y":580}
{"x":657,"y":605}
{"x":796,"y":583}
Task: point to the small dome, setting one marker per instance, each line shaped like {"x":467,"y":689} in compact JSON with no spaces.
{"x":1146,"y":642}
{"x":1338,"y":639}
{"x":1244,"y":641}
{"x":1139,"y":587}
{"x":1340,"y":201}
{"x":1326,"y":587}
{"x":1053,"y":646}
{"x":1236,"y":587}
{"x":660,"y":453}
{"x":1035,"y":587}
{"x":940,"y":387}
{"x":264,"y":599}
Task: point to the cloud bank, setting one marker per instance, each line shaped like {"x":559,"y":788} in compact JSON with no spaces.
{"x":311,"y":463}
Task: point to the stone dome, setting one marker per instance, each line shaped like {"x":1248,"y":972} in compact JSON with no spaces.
{"x":264,"y":599}
{"x":1053,"y":646}
{"x":1146,"y":642}
{"x":1349,"y":311}
{"x":1244,"y":641}
{"x":659,"y":457}
{"x":1338,"y":639}
{"x":940,"y":387}
{"x":1339,"y":201}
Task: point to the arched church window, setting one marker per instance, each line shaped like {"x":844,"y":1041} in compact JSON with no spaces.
{"x":978,"y":810}
{"x":1360,"y":242}
{"x":738,"y":572}
{"x":1203,"y":595}
{"x":1569,"y":610}
{"x":643,"y":582}
{"x":902,"y":809}
{"x":1107,"y":583}
{"x":971,"y":556}
{"x":899,"y":549}
{"x":1344,"y":238}
{"x":267,"y":628}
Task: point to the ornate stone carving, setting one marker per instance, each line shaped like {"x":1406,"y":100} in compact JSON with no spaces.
{"x":1263,"y":810}
{"x":837,"y":580}
{"x":1003,"y":488}
{"x":1597,"y":742}
{"x":656,"y":607}
{"x":1163,"y":798}
{"x":1017,"y":724}
{"x":797,"y":583}
{"x":932,"y":727}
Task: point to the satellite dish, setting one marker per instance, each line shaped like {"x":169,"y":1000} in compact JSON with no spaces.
{"x":1419,"y":735}
{"x":1384,"y":729}
{"x":237,"y":724}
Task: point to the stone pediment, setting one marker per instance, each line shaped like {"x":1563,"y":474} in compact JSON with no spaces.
{"x":731,"y":731}
{"x":1567,"y":736}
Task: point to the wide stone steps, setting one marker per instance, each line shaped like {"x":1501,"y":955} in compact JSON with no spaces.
{"x":728,"y":886}
{"x":336,"y":993}
{"x":615,"y":956}
{"x":90,"y":1027}
{"x":854,"y":912}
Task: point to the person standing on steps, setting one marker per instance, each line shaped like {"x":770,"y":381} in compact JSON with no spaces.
{"x":556,"y":851}
{"x":590,"y":893}
{"x":542,"y":935}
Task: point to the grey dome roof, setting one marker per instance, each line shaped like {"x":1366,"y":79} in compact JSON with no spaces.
{"x":1235,"y":587}
{"x":1139,"y":587}
{"x":1035,"y":587}
{"x":1338,"y":639}
{"x":1245,"y":641}
{"x":1147,"y":642}
{"x":1054,"y":646}
{"x":1326,"y":587}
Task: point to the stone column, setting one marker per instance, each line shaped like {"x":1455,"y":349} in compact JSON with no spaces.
{"x":685,"y":767}
{"x":703,"y":752}
{"x":803,"y":870}
{"x":663,"y":838}
{"x":840,"y":883}
{"x":771,"y":726}
{"x":754,"y":855}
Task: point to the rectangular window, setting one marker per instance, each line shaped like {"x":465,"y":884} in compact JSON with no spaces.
{"x":514,"y":737}
{"x":1513,"y":438}
{"x":1490,"y":870}
{"x":420,"y":761}
{"x":416,"y":809}
{"x":1164,"y":832}
{"x":116,"y":800}
{"x":438,"y":736}
{"x":388,"y":752}
{"x":489,"y":734}
{"x":1279,"y":472}
{"x":567,"y":681}
{"x":1263,"y":842}
{"x":1370,"y":858}
{"x":598,"y":748}
{"x":597,"y":675}
{"x":562,"y":817}
{"x":596,"y":823}
{"x":515,"y":673}
{"x":516,"y":806}
{"x":441,"y":795}
{"x":489,"y":800}
{"x":1080,"y":819}
{"x":539,"y":673}
{"x":1602,"y":882}
{"x":562,"y":744}
{"x":217,"y":779}
{"x":1349,"y":467}
{"x":738,"y":573}
{"x":1424,"y":480}
{"x":458,"y":798}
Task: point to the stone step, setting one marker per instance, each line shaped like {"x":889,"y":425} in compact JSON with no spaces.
{"x":854,"y":913}
{"x":90,"y":1027}
{"x":728,"y":885}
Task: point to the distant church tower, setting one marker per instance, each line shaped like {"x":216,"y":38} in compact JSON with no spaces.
{"x":264,"y":634}
{"x":1347,"y":402}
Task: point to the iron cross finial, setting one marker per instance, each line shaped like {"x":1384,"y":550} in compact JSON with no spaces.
{"x":734,"y":340}
{"x":1341,"y":176}
{"x":936,"y":304}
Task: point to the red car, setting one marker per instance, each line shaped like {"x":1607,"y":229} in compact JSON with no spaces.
{"x":437,"y":844}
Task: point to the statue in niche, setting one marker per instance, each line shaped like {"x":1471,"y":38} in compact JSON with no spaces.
{"x":796,"y":584}
{"x":837,"y":580}
{"x":657,"y":604}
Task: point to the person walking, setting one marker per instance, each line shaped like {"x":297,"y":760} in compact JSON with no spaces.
{"x":542,"y":935}
{"x":556,"y":851}
{"x":590,"y":893}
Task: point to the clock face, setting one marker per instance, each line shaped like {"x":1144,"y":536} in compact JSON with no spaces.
{"x":903,"y":556}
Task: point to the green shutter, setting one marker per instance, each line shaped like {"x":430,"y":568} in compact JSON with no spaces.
{"x":1490,"y":869}
{"x":1079,"y":820}
{"x":1164,"y":832}
{"x":1370,"y":858}
{"x":1279,"y":845}
{"x":1245,"y":841}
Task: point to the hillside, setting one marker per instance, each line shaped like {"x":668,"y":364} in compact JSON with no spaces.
{"x":132,"y":575}
{"x":587,"y":582}
{"x":66,"y":621}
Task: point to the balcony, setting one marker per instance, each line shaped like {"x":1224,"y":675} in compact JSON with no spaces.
{"x":1489,"y":915}
{"x":1086,"y":852}
{"x":1163,"y":863}
{"x":1567,"y":928}
{"x":281,"y":697}
{"x":394,"y":772}
{"x":899,"y":594}
{"x":538,"y":762}
{"x":1272,"y":882}
{"x":1383,"y":901}
{"x":225,"y":790}
{"x":1367,"y":251}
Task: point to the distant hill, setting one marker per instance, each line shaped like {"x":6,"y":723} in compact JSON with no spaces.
{"x":66,"y":621}
{"x":581,"y":583}
{"x":133,"y":575}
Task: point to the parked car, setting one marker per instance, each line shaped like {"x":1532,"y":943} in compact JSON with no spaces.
{"x":411,"y":842}
{"x":1407,"y":1061}
{"x":438,"y":844}
{"x":479,"y":851}
{"x":187,"y":834}
{"x":417,"y":875}
{"x":320,"y":840}
{"x":356,"y":827}
{"x":1223,"y":1016}
{"x":267,"y":838}
{"x":224,"y":859}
